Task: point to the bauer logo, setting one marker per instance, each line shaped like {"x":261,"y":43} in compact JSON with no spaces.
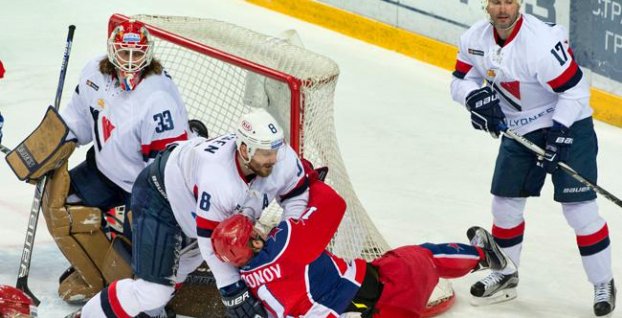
{"x":26,"y":156}
{"x":247,"y":126}
{"x":131,"y":37}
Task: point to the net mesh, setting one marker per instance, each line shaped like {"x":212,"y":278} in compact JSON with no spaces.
{"x":218,"y":90}
{"x":223,"y":70}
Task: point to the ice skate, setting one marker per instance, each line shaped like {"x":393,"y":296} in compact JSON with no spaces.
{"x":496,"y":287}
{"x":604,"y":299}
{"x":495,"y":257}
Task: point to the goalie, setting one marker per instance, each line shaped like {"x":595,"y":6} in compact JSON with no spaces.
{"x":130,"y":109}
{"x":294,"y":276}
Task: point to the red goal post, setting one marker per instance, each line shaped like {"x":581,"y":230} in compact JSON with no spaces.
{"x":223,"y":70}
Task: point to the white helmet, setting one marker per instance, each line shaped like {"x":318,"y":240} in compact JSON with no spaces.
{"x":259,"y":130}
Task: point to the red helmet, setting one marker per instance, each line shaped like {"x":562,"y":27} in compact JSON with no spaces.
{"x":130,"y":49}
{"x":231,"y":240}
{"x":15,"y":303}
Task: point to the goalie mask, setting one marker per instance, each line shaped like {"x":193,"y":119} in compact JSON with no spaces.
{"x":130,"y":50}
{"x":259,"y":130}
{"x":15,"y":303}
{"x":231,"y":240}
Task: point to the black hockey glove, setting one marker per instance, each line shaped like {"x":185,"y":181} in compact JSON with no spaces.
{"x":558,"y":142}
{"x":486,"y":113}
{"x":239,"y":303}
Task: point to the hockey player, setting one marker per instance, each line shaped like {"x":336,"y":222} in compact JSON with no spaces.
{"x":535,"y":87}
{"x":294,"y":276}
{"x":14,"y":303}
{"x":130,"y":109}
{"x":186,"y":192}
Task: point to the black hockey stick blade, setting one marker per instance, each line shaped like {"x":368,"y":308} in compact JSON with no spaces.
{"x":22,"y":284}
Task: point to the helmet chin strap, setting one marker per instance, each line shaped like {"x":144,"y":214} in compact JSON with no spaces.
{"x":245,"y":161}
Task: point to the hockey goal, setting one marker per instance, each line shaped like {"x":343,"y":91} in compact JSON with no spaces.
{"x":223,"y":70}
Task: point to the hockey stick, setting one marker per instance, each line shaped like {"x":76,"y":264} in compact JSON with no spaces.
{"x":4,"y":149}
{"x":562,"y":165}
{"x":24,"y":265}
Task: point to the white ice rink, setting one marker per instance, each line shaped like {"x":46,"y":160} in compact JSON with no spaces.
{"x":420,"y":170}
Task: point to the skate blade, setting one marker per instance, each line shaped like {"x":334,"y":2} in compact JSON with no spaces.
{"x":499,"y":297}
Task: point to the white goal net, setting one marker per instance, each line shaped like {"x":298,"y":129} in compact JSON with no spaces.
{"x":223,"y":70}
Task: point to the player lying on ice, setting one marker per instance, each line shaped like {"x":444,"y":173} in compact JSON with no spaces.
{"x":292,"y":274}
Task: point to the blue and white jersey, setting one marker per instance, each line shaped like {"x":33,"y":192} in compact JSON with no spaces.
{"x":127,"y":128}
{"x":205,"y":185}
{"x":533,"y":72}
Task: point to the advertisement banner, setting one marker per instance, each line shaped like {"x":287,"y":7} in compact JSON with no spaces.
{"x":596,"y":28}
{"x":443,"y":20}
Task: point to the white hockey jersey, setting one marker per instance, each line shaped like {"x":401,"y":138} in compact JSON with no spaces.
{"x":204,"y":185}
{"x":126,"y":128}
{"x":533,"y":72}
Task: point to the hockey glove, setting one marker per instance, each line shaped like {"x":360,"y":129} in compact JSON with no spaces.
{"x":558,"y":142}
{"x":1,"y":124}
{"x":239,"y":303}
{"x":486,"y":113}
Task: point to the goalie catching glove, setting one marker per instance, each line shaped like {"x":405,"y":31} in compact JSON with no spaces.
{"x":486,"y":113}
{"x":44,"y":150}
{"x":239,"y":303}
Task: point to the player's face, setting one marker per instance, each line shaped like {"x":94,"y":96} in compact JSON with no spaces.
{"x":263,"y":161}
{"x":503,"y":13}
{"x":130,"y":59}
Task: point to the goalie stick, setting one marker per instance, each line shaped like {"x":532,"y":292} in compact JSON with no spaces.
{"x":24,"y":265}
{"x":5,"y":149}
{"x":562,"y":165}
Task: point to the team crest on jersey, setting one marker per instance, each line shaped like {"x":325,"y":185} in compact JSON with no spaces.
{"x":512,"y":88}
{"x":491,"y":73}
{"x":101,"y":103}
{"x":475,"y":52}
{"x":92,"y":85}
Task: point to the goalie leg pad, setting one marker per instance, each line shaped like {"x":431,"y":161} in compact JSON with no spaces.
{"x":78,"y":234}
{"x":44,"y":150}
{"x":117,"y":262}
